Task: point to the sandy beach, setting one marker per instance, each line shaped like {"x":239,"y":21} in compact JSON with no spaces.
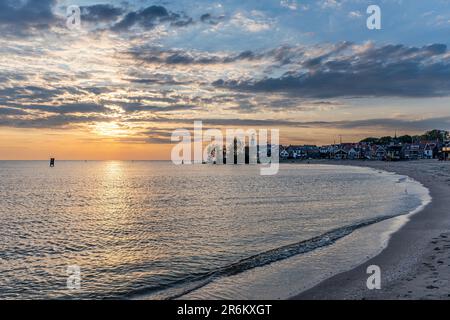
{"x":416,"y":263}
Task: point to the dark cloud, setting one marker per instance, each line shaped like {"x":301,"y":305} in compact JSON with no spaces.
{"x":69,"y":108}
{"x":179,"y":57}
{"x":18,"y":17}
{"x":208,"y":18}
{"x":153,"y":15}
{"x":45,"y":98}
{"x":245,"y":55}
{"x":10,"y":117}
{"x":390,"y":124}
{"x":64,"y":115}
{"x":285,"y":55}
{"x":100,"y":13}
{"x":393,"y":124}
{"x":158,"y":136}
{"x":183,"y":22}
{"x":12,"y":111}
{"x":56,"y":121}
{"x":14,"y":95}
{"x":437,"y":48}
{"x":319,"y":60}
{"x":139,"y":107}
{"x":387,"y":124}
{"x":234,"y":122}
{"x":379,"y":71}
{"x":164,"y":80}
{"x":161,"y":136}
{"x":150,"y":17}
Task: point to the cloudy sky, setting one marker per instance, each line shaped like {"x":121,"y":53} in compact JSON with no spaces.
{"x":136,"y":70}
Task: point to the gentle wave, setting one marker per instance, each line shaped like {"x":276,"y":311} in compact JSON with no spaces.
{"x":262,"y":259}
{"x":154,"y":231}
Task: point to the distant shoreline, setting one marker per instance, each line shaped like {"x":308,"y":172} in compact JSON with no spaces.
{"x":415,"y":264}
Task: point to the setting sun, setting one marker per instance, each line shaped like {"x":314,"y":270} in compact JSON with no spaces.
{"x":110,"y":129}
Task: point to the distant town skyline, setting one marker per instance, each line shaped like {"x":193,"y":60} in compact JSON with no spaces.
{"x":135,"y":71}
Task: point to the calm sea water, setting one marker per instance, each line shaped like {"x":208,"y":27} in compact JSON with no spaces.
{"x":155,"y":230}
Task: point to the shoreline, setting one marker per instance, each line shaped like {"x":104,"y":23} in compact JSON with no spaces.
{"x":415,"y":264}
{"x":368,"y":241}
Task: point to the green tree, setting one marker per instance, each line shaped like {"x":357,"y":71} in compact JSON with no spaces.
{"x":386,"y":140}
{"x":405,"y":139}
{"x":435,"y":134}
{"x":371,"y":140}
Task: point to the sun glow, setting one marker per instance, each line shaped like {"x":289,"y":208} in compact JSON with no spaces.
{"x":111,"y":129}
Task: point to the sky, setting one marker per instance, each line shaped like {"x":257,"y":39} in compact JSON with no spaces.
{"x":135,"y":71}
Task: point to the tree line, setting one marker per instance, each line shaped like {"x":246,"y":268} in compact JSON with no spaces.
{"x":432,"y":135}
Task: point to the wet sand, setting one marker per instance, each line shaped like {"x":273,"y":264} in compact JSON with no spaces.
{"x":416,"y":262}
